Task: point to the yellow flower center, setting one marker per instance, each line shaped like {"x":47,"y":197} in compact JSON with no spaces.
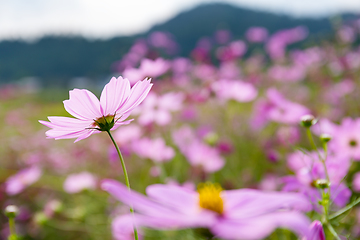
{"x":210,"y":197}
{"x":104,"y":123}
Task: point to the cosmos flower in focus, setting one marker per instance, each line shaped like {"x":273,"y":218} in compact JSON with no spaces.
{"x":117,"y":100}
{"x":230,"y":214}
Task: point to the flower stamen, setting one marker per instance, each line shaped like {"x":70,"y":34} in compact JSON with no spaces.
{"x":210,"y":197}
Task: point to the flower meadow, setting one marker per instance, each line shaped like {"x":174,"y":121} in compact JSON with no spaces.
{"x":252,"y":138}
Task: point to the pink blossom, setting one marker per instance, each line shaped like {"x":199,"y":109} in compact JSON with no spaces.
{"x":308,"y":169}
{"x":236,"y":214}
{"x":236,"y":90}
{"x":91,"y":115}
{"x":276,"y":46}
{"x":234,"y":50}
{"x":278,"y":109}
{"x":158,"y":109}
{"x":127,"y":134}
{"x":222,"y":36}
{"x":345,"y":138}
{"x":256,"y":34}
{"x":292,"y":73}
{"x":154,"y":68}
{"x":347,"y":34}
{"x":154,"y":149}
{"x":75,"y":183}
{"x":229,"y":70}
{"x":196,"y":152}
{"x":24,"y":178}
{"x":316,"y":231}
{"x":122,"y":228}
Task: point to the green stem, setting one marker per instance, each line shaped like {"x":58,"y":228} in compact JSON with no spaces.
{"x":345,"y":209}
{"x":125,"y":175}
{"x":332,"y":230}
{"x":325,"y":195}
{"x":163,"y":174}
{"x":12,"y":228}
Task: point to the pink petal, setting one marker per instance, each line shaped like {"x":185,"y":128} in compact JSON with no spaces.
{"x":137,"y":94}
{"x":114,"y":95}
{"x":251,"y":203}
{"x":136,"y":200}
{"x":174,"y":196}
{"x":64,"y":128}
{"x":83,"y":104}
{"x":262,"y":226}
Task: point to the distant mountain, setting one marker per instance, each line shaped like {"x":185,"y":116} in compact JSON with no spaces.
{"x":61,"y":58}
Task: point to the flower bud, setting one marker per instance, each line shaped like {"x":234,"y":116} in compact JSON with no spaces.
{"x":325,"y":138}
{"x":308,"y":121}
{"x":11,"y":211}
{"x":316,"y":231}
{"x":322,"y":183}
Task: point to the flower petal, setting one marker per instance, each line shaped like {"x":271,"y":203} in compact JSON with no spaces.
{"x":174,"y":196}
{"x":247,"y":203}
{"x":64,"y":128}
{"x":137,"y":94}
{"x":83,"y":104}
{"x":131,"y":198}
{"x":262,"y":226}
{"x":114,"y":95}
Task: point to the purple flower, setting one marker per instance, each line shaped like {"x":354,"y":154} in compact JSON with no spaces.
{"x":232,"y":214}
{"x":18,"y":182}
{"x":91,"y":115}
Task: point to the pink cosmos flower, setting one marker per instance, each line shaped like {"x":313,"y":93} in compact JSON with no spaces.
{"x":123,"y":228}
{"x":154,"y":149}
{"x":276,"y":46}
{"x":157,"y":109}
{"x":18,"y":182}
{"x":345,"y":137}
{"x":197,"y":152}
{"x":75,"y":183}
{"x":91,"y":115}
{"x":308,"y":169}
{"x":127,"y":134}
{"x":148,"y":68}
{"x":256,"y":34}
{"x":237,"y":90}
{"x":231,"y":214}
{"x":278,"y":109}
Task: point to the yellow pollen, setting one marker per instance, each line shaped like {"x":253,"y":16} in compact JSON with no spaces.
{"x":210,"y":197}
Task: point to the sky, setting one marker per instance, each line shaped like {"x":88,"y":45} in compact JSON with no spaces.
{"x":31,"y":19}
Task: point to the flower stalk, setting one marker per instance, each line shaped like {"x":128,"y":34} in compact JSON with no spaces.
{"x":11,"y":212}
{"x":127,"y":182}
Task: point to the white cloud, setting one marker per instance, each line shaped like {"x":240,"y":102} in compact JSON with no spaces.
{"x":106,"y":18}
